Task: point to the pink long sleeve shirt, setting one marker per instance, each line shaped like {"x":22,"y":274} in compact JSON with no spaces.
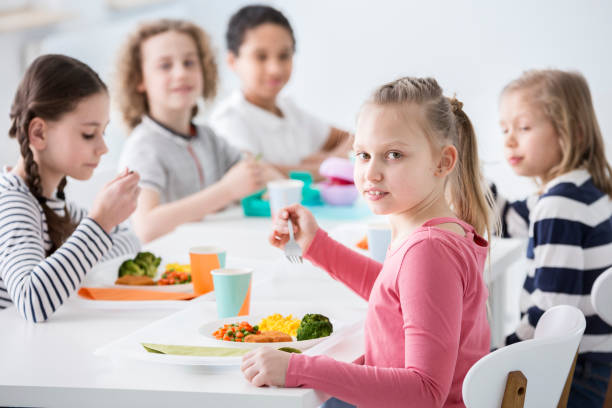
{"x":426,"y":323}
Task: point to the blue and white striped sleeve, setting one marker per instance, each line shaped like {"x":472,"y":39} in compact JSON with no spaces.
{"x":514,"y":215}
{"x":38,"y":285}
{"x":125,"y":242}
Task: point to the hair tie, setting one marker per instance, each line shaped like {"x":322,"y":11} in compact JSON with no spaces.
{"x":456,"y":104}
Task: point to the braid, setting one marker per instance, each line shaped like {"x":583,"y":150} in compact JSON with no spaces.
{"x":60,"y":189}
{"x":60,"y":228}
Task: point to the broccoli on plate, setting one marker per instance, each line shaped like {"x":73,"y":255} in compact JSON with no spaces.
{"x":314,"y":326}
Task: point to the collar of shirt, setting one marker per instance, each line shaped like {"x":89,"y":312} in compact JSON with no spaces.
{"x":577,"y":177}
{"x":166,"y":131}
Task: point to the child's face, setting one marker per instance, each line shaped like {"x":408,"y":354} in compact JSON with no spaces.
{"x":395,"y":165}
{"x":74,"y":144}
{"x":264,"y":61}
{"x":172,"y":74}
{"x":531,"y":143}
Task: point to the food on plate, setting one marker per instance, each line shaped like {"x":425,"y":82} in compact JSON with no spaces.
{"x":134,"y":280}
{"x":144,"y":264}
{"x":314,"y":326}
{"x":175,"y":274}
{"x":290,"y":350}
{"x":270,"y":336}
{"x":288,"y":325}
{"x":235,"y":332}
{"x":276,"y":328}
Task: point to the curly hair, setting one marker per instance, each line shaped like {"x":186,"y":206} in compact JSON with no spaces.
{"x":52,"y":86}
{"x":133,"y":103}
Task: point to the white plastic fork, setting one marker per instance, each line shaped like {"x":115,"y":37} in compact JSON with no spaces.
{"x":293,"y":252}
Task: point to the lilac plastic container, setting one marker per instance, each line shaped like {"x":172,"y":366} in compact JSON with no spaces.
{"x":337,"y":194}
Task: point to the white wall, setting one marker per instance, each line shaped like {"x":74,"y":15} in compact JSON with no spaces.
{"x":345,"y":48}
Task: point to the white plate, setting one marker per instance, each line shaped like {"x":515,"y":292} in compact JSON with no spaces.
{"x":104,"y":274}
{"x":209,"y":328}
{"x":183,"y":326}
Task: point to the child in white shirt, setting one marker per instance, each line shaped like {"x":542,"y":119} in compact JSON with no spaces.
{"x":261,"y":45}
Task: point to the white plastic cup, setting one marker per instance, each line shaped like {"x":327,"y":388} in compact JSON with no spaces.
{"x":283,"y":193}
{"x":379,"y":239}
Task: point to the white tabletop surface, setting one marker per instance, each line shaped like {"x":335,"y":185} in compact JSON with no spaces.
{"x":52,"y":364}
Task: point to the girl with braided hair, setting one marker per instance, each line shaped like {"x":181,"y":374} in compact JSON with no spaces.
{"x":426,"y":325}
{"x":47,"y":245}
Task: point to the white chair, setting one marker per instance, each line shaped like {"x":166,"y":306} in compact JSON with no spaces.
{"x":601,"y":298}
{"x":535,"y":371}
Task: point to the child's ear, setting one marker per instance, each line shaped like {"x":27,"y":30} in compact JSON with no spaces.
{"x":231,"y":60}
{"x":141,"y":87}
{"x":448,"y":160}
{"x":37,"y":133}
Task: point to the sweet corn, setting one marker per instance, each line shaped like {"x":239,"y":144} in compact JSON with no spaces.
{"x":288,"y":325}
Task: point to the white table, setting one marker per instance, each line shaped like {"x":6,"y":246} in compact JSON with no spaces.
{"x":53,"y":365}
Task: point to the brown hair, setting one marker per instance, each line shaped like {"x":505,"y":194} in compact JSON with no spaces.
{"x":447,"y":123}
{"x":52,"y":86}
{"x":565,"y":98}
{"x":132,"y":103}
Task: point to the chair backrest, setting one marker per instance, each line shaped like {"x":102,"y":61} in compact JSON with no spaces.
{"x":601,"y":296}
{"x":601,"y":299}
{"x":544,"y":360}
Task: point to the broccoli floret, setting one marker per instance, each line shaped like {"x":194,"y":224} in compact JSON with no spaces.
{"x":130,"y":267}
{"x":314,"y":326}
{"x":148,"y":257}
{"x":148,"y":262}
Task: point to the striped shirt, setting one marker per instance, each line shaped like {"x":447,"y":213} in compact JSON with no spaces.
{"x":569,"y":231}
{"x":37,"y":285}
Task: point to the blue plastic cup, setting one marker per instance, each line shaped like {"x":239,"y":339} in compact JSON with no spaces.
{"x":232,"y":291}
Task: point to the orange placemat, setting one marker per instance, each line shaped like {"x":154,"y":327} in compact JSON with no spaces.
{"x":131,"y":294}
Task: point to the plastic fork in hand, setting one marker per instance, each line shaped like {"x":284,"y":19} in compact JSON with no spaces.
{"x":293,"y":252}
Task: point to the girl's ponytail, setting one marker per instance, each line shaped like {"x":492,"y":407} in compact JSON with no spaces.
{"x":472,"y":200}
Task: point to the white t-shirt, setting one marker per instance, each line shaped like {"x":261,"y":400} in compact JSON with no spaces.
{"x":285,"y":140}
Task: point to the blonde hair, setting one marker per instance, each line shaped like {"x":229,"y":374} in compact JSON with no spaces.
{"x":446,"y":121}
{"x":132,"y":103}
{"x":565,"y":98}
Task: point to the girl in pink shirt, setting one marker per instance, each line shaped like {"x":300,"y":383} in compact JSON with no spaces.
{"x":417,"y":162}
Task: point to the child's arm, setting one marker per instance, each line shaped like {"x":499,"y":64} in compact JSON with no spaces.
{"x":125,"y":242}
{"x":355,"y":270}
{"x":38,"y":285}
{"x":556,"y":263}
{"x":514,"y":215}
{"x":153,"y":219}
{"x":430,"y":289}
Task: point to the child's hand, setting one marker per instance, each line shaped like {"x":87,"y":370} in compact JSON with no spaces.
{"x":265,"y":366}
{"x":244,"y":178}
{"x":305,"y":227}
{"x":116,"y":201}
